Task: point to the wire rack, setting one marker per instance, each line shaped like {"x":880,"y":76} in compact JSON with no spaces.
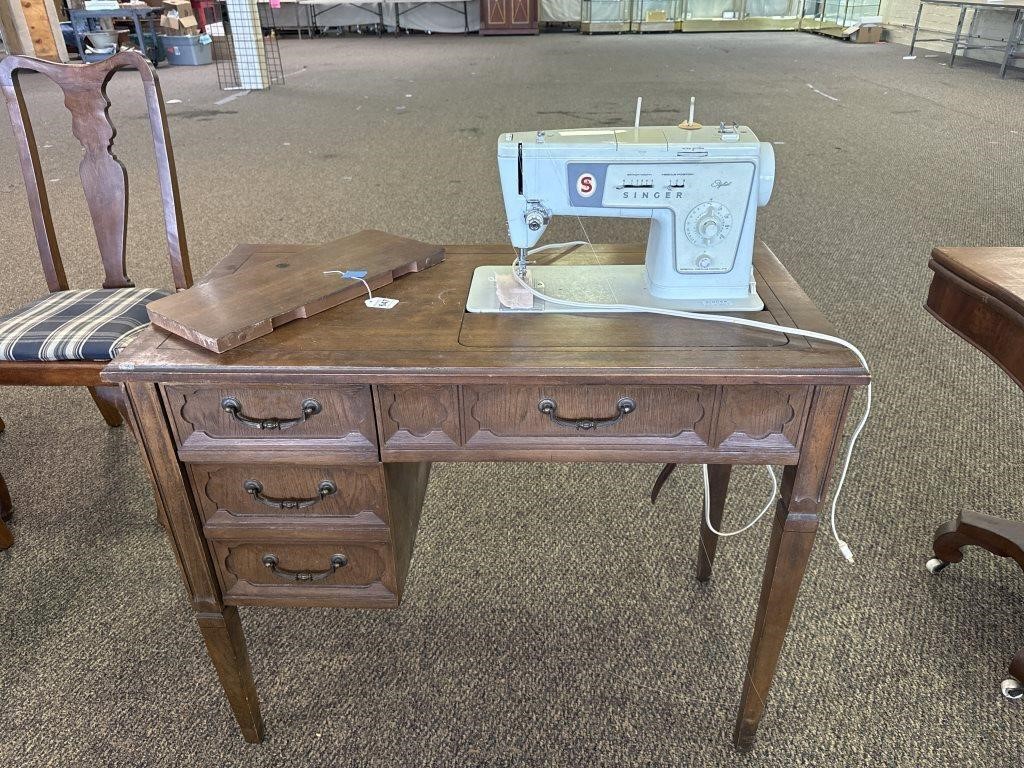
{"x":245,"y":49}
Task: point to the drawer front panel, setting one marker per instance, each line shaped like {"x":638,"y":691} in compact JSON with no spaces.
{"x":580,"y":415}
{"x":418,"y":417}
{"x":324,"y":572}
{"x":761,"y":417}
{"x":209,"y":418}
{"x":583,"y":422}
{"x":354,"y":493}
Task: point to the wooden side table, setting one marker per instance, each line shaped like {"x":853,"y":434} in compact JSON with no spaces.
{"x":978,"y":293}
{"x":291,"y":470}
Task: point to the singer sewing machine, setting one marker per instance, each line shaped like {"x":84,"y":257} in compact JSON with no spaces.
{"x":699,"y":186}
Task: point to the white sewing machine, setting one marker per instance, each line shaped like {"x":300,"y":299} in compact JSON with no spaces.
{"x":699,"y":186}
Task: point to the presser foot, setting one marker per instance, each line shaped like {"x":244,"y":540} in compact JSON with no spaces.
{"x":624,"y":284}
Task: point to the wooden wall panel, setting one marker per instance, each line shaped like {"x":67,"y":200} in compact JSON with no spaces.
{"x":32,"y":27}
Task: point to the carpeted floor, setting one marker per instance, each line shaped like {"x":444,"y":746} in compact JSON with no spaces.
{"x":551,"y":617}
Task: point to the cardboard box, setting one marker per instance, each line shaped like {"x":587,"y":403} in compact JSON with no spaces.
{"x":181,"y":7}
{"x":872,"y":34}
{"x":172,"y":25}
{"x":177,"y":18}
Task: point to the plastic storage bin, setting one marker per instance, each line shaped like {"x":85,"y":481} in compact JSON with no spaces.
{"x":188,"y":50}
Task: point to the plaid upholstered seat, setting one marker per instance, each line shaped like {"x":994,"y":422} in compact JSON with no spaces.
{"x":76,"y":325}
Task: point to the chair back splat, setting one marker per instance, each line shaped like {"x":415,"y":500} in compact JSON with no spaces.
{"x":104,"y":177}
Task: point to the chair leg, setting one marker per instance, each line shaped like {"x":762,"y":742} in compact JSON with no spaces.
{"x":6,"y":539}
{"x":108,"y":400}
{"x":5,"y":500}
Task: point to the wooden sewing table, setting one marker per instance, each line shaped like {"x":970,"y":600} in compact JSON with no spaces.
{"x":291,"y":470}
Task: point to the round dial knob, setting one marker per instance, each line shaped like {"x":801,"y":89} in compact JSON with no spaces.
{"x":704,"y":262}
{"x":536,"y":218}
{"x":708,"y":224}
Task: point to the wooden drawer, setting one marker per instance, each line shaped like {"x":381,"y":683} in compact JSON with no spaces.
{"x":308,"y":566}
{"x":353,"y":493}
{"x":586,"y":416}
{"x":376,"y":556}
{"x":591,"y":422}
{"x":247,"y":423}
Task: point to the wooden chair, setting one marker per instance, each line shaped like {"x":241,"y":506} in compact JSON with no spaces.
{"x":68,"y":337}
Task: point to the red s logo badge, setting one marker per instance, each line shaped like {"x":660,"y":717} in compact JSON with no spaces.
{"x":586,"y":185}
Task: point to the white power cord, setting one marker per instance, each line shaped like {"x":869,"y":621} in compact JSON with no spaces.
{"x":752,"y":523}
{"x":730,"y":320}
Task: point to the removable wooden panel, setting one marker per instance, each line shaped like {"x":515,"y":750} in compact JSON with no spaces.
{"x":292,"y":491}
{"x":366,"y":581}
{"x":343,"y":428}
{"x":226,"y":312}
{"x":509,"y":417}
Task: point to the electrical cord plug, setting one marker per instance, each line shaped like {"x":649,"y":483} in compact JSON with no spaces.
{"x":845,"y":549}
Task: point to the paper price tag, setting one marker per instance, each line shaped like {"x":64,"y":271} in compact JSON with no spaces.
{"x":379,"y":302}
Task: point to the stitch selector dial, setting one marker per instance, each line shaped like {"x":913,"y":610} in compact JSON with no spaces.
{"x":708,"y":224}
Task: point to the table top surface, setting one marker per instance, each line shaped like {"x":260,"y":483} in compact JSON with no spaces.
{"x":430,"y":338}
{"x":999,"y":272}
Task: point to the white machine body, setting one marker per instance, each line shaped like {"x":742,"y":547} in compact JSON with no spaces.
{"x":700,"y":188}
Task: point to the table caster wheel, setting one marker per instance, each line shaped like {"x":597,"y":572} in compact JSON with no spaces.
{"x":935,"y":565}
{"x":1012,"y":688}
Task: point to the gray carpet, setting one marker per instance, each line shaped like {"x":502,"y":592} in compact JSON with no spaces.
{"x":551,"y":617}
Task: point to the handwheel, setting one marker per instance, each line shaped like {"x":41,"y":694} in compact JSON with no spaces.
{"x":935,"y":565}
{"x":1012,"y":688}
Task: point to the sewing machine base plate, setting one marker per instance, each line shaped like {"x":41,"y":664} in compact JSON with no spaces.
{"x":594,"y":284}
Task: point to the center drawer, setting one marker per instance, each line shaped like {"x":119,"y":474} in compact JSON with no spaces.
{"x":352,"y":493}
{"x":589,"y":421}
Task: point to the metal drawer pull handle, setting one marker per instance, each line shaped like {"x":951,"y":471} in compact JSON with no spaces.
{"x":310,"y":408}
{"x":549,"y":407}
{"x":337,"y":561}
{"x":255,"y":489}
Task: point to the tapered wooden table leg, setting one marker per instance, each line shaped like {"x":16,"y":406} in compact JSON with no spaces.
{"x":796,"y":520}
{"x":790,"y":548}
{"x":219,"y":624}
{"x":225,"y":642}
{"x":718,"y":475}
